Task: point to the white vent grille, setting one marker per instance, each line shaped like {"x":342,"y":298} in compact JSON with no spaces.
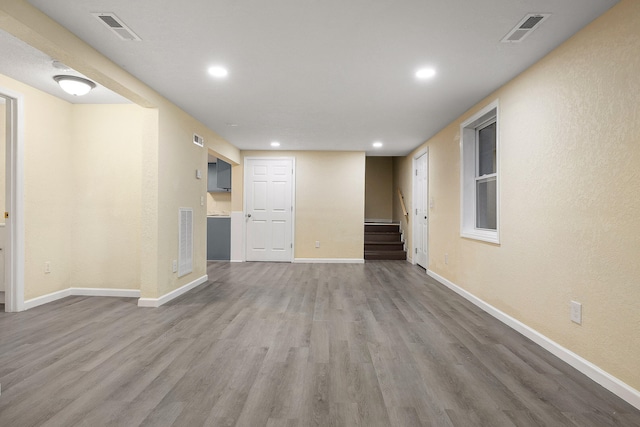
{"x":525,"y":27}
{"x":116,"y":25}
{"x":185,"y":241}
{"x":198,"y":140}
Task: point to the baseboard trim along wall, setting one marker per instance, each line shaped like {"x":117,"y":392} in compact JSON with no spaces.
{"x":606,"y":380}
{"x":157,"y":302}
{"x":328,"y":260}
{"x":85,"y":292}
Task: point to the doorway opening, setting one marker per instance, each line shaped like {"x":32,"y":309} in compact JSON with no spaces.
{"x":12,"y":201}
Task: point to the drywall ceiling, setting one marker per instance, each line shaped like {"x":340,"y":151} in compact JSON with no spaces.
{"x":324,"y":75}
{"x":32,"y":67}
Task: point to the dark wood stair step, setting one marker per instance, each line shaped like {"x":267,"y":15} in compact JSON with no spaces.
{"x":383,"y":246}
{"x":385,"y":255}
{"x":382,"y":237}
{"x":381,"y":228}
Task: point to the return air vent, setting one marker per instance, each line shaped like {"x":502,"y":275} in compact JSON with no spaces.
{"x":116,"y":25}
{"x":525,"y":27}
{"x":198,"y":140}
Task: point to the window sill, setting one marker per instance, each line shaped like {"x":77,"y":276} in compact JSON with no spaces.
{"x":482,"y":235}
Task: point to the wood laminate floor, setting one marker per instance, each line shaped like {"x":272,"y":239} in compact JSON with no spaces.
{"x":262,"y":344}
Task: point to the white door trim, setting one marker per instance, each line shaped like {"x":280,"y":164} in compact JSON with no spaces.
{"x":414,"y":228}
{"x":14,"y":248}
{"x":293,"y":201}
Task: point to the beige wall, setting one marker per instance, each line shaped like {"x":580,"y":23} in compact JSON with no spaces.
{"x":329,"y":192}
{"x":107,"y":157}
{"x":219,"y":203}
{"x":378,"y":197}
{"x":82,"y":193}
{"x":569,"y":180}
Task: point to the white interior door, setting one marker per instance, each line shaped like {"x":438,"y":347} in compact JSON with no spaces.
{"x":420,"y":211}
{"x":269,"y":209}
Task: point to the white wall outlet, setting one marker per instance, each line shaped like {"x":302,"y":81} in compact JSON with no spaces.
{"x":446,"y":258}
{"x":47,"y":267}
{"x":201,"y":200}
{"x":174,"y":266}
{"x":576,"y":312}
{"x":317,"y":243}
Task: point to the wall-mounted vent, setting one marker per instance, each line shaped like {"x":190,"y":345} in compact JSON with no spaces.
{"x":116,"y":25}
{"x":198,"y":140}
{"x":525,"y":27}
{"x":185,"y":241}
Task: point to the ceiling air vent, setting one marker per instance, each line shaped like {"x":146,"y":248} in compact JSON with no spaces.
{"x":525,"y":27}
{"x":198,"y":140}
{"x":116,"y":25}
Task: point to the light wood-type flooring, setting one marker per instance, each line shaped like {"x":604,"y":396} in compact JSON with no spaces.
{"x":264,"y":344}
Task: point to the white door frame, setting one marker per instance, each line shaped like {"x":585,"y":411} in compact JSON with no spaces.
{"x":293,"y":201}
{"x":14,"y":246}
{"x":414,"y":233}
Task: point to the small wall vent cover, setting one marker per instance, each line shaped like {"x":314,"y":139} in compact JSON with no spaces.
{"x":116,"y":25}
{"x":198,"y":140}
{"x":525,"y":27}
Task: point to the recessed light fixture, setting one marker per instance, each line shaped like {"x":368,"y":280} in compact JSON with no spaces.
{"x":76,"y":86}
{"x":218,"y":72}
{"x":275,"y":144}
{"x":377,"y":144}
{"x":425,"y":73}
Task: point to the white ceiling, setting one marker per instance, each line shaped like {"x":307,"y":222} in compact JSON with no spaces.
{"x":325,"y":74}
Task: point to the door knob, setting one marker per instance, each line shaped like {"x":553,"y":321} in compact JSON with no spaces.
{"x":248,"y":215}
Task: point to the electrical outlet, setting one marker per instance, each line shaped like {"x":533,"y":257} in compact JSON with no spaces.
{"x":201,"y":200}
{"x":446,"y":258}
{"x":47,"y":267}
{"x":174,"y":266}
{"x":317,"y":243}
{"x":576,"y":312}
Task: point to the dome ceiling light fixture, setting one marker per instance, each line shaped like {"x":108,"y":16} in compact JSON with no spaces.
{"x":76,"y":86}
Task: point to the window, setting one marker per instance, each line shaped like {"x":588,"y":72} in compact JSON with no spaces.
{"x":479,"y":176}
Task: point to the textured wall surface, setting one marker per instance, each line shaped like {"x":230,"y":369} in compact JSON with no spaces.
{"x":569,"y":182}
{"x":378,"y":196}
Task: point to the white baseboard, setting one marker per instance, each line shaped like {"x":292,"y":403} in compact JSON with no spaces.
{"x":157,"y":302}
{"x":328,"y":260}
{"x":96,"y":292}
{"x":597,"y":374}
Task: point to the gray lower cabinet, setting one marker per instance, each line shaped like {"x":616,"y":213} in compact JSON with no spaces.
{"x":218,"y":239}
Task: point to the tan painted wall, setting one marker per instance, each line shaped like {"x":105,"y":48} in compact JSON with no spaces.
{"x":48,"y":189}
{"x":329,"y":191}
{"x":219,"y":203}
{"x":569,"y":153}
{"x":378,"y":196}
{"x":107,"y":158}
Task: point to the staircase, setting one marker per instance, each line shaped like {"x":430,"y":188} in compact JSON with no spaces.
{"x":383,"y":241}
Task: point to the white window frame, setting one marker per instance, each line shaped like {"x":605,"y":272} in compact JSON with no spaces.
{"x":468,"y":179}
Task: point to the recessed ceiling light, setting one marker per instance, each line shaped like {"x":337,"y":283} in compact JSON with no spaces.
{"x":275,"y":144}
{"x":218,"y":72}
{"x":425,"y":73}
{"x":377,"y":144}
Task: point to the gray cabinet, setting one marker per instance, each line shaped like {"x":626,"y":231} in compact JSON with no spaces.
{"x":218,"y":238}
{"x":223,"y":173}
{"x":219,"y":177}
